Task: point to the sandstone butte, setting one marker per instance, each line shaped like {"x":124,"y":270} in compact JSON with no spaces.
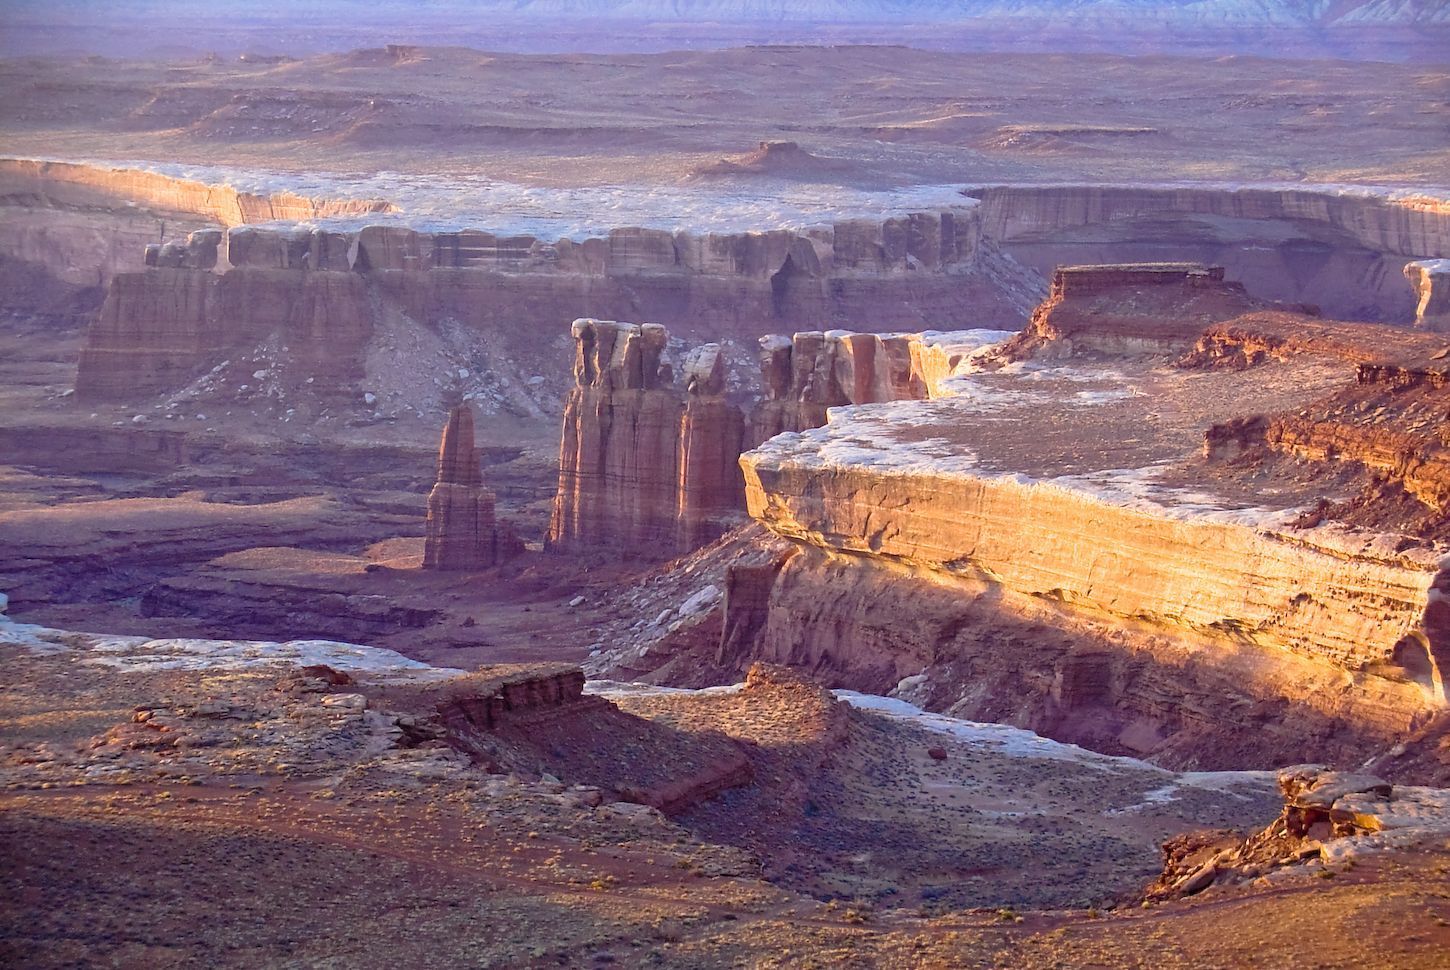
{"x":462,"y":532}
{"x":644,"y":464}
{"x":1156,"y":451}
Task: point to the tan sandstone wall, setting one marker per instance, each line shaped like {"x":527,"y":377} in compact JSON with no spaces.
{"x":80,"y":186}
{"x":1347,"y":599}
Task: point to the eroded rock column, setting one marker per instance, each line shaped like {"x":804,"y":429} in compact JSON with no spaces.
{"x":646,"y":467}
{"x":462,"y":530}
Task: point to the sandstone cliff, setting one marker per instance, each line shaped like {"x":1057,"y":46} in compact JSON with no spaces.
{"x":805,"y":375}
{"x":645,"y":466}
{"x":1430,"y":279}
{"x":73,"y":185}
{"x":1340,"y":248}
{"x":462,"y":530}
{"x":902,"y":272}
{"x":158,"y":328}
{"x":1071,"y":491}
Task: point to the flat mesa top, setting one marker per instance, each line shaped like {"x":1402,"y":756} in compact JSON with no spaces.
{"x":1128,"y":429}
{"x":878,"y":117}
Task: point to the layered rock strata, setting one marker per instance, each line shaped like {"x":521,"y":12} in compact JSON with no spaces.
{"x":1430,"y":279}
{"x":462,"y":531}
{"x":978,"y":650}
{"x":805,"y":375}
{"x":651,"y":462}
{"x":1403,"y":223}
{"x":501,"y":715}
{"x":901,"y":272}
{"x":1348,"y":599}
{"x":514,"y":697}
{"x":1340,"y":248}
{"x":158,"y":328}
{"x":73,"y":185}
{"x":1127,"y":308}
{"x":1075,"y":481}
{"x":645,"y":466}
{"x":1389,"y":421}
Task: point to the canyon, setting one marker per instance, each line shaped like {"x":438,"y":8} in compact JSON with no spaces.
{"x":1221,"y":537}
{"x":948,"y":510}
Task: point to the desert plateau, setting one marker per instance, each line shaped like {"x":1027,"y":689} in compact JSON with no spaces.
{"x":854,"y":484}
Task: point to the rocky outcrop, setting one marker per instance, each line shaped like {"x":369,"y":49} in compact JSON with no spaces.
{"x":1127,"y":308}
{"x":1388,"y":421}
{"x":198,"y":251}
{"x":462,"y":530}
{"x":1155,"y":600}
{"x":906,"y":272}
{"x":1329,"y":818}
{"x":1342,"y":250}
{"x":514,"y":697}
{"x":805,"y":375}
{"x":524,"y":718}
{"x":1430,"y":279}
{"x":71,"y":185}
{"x":160,"y":327}
{"x":645,"y":466}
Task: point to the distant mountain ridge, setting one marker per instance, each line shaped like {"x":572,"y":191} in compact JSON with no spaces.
{"x":1311,"y":14}
{"x":1205,"y":13}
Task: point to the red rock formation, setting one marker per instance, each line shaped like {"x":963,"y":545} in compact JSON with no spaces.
{"x":496,"y":697}
{"x":712,"y":433}
{"x":528,"y":718}
{"x":1260,"y":234}
{"x":1431,"y":281}
{"x":932,"y":523}
{"x":1389,"y":420}
{"x":160,"y":327}
{"x":1128,"y":308}
{"x":643,"y":466}
{"x":462,"y":532}
{"x":926,"y":268}
{"x":805,"y":375}
{"x":1328,"y":817}
{"x":617,"y":471}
